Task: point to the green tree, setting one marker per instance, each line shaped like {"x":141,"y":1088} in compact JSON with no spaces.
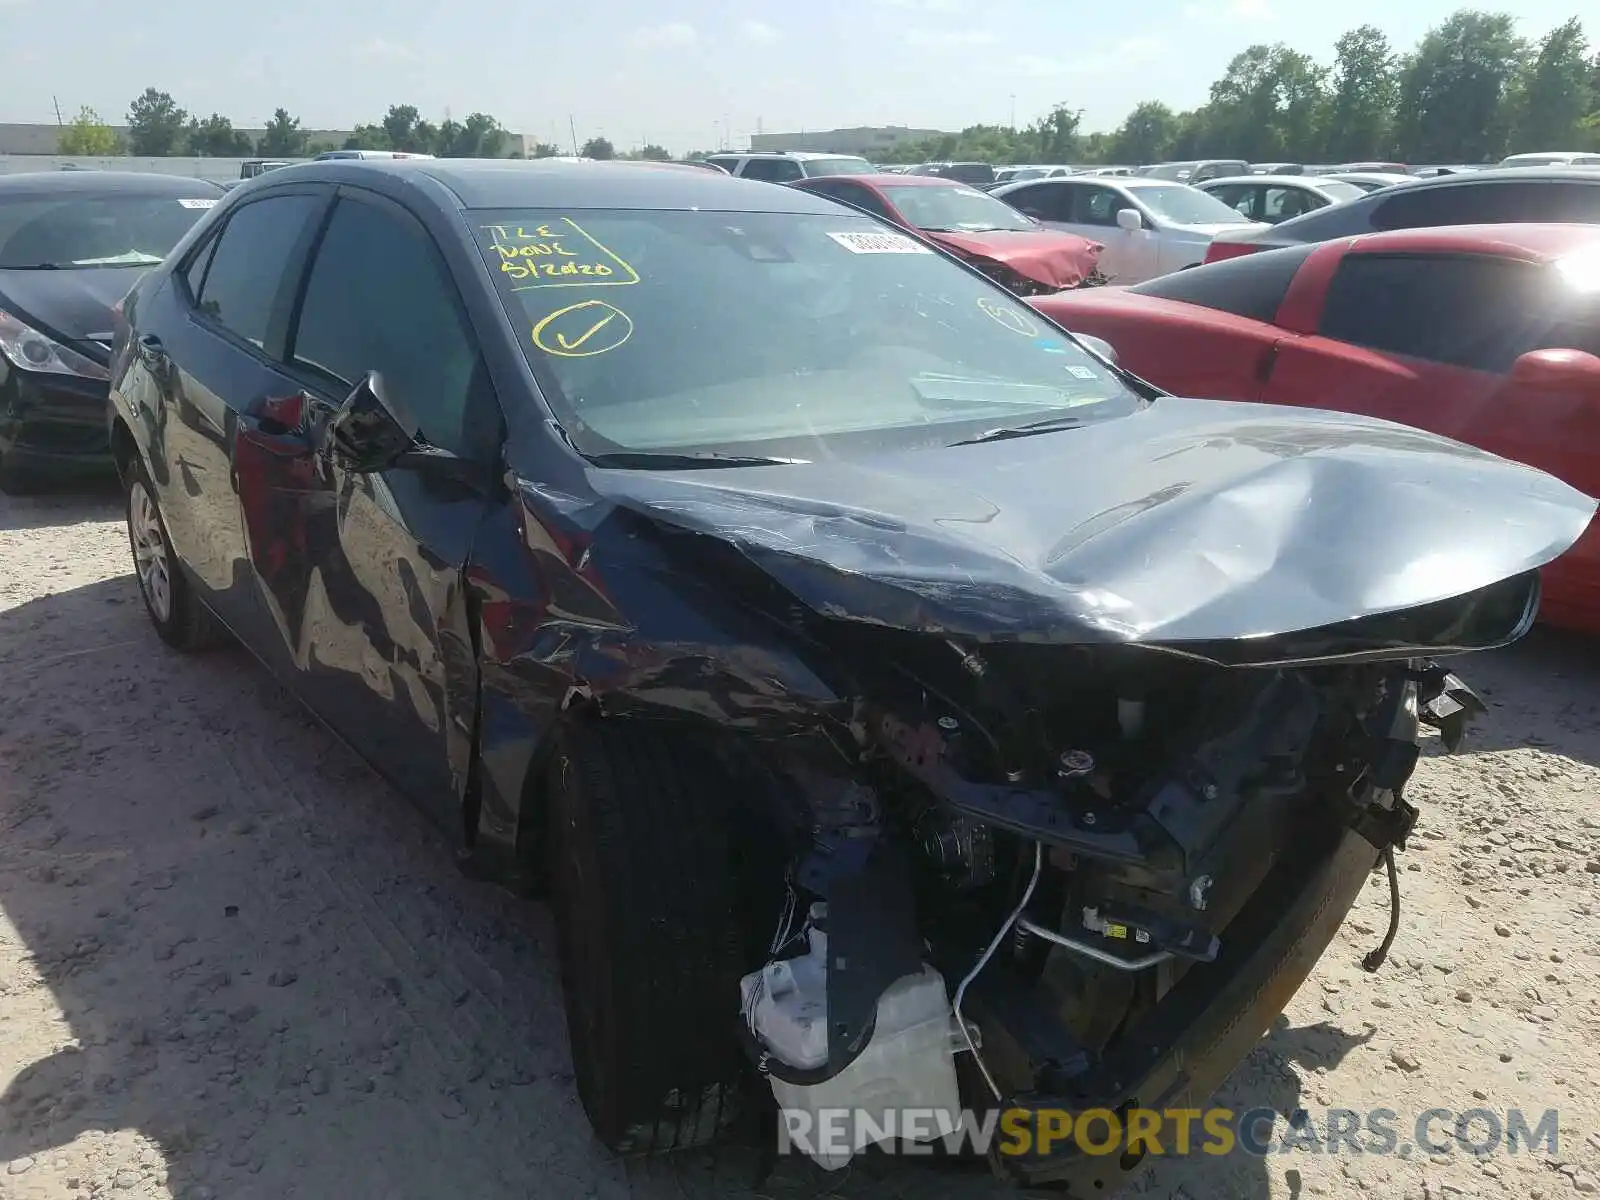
{"x":88,"y":136}
{"x":545,"y":150}
{"x":1265,"y":106}
{"x":406,"y":131}
{"x":479,"y":136}
{"x":1146,"y":136}
{"x":650,"y":152}
{"x":283,"y":137}
{"x":1453,"y":89}
{"x":598,"y":147}
{"x":215,"y":137}
{"x":1055,"y":135}
{"x":1360,"y":115}
{"x":1553,"y":96}
{"x":368,"y":137}
{"x":156,"y":125}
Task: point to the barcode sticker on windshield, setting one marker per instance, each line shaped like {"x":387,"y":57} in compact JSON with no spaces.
{"x":203,"y":202}
{"x":879,"y":243}
{"x":1082,"y":373}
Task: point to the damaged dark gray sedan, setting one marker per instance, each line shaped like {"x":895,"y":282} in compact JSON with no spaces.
{"x":902,"y":707}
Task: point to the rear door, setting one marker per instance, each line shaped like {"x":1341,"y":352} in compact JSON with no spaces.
{"x":1424,"y":340}
{"x":373,"y":620}
{"x":206,"y":353}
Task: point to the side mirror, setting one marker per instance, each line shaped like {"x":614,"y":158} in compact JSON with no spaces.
{"x":1569,"y":374}
{"x":1129,"y":219}
{"x":366,"y":434}
{"x":1098,"y":346}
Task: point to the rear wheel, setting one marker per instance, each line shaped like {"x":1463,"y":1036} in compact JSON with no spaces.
{"x":183,"y":622}
{"x":649,"y":933}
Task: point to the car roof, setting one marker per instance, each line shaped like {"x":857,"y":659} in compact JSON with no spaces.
{"x":145,"y":183}
{"x":550,"y":183}
{"x":1513,"y":174}
{"x":1535,"y":243}
{"x":1308,"y":181}
{"x":884,"y":179}
{"x":802,"y":155}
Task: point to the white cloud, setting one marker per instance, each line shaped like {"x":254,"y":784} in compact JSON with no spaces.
{"x":383,"y":50}
{"x":932,"y":39}
{"x":1130,"y":52}
{"x":1230,"y":12}
{"x":677,"y":33}
{"x":930,"y":6}
{"x":759,"y":32}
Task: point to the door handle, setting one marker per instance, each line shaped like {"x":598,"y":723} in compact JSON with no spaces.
{"x":150,"y":346}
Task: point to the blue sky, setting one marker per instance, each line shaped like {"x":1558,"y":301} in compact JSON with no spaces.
{"x":683,"y":73}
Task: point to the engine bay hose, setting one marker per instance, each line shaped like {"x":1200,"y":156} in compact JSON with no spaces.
{"x":983,"y":961}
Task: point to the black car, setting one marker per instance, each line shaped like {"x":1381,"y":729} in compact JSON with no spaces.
{"x":71,"y":245}
{"x":1560,"y":195}
{"x":699,"y":550}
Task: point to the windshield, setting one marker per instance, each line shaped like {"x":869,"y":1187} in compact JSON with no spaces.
{"x":838,"y":166}
{"x":39,"y":232}
{"x":1184,"y":205}
{"x":773,"y":334}
{"x":957,"y":209}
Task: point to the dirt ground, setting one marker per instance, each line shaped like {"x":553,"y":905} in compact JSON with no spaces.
{"x":233,"y":964}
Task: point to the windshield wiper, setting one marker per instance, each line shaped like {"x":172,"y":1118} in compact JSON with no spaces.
{"x":30,"y":266}
{"x":1048,"y":425}
{"x":653,"y":460}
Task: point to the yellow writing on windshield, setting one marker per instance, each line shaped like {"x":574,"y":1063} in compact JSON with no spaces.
{"x":583,"y":330}
{"x":1009,"y":317}
{"x":557,"y":253}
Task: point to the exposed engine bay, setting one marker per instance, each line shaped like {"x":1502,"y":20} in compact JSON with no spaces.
{"x":1052,"y":839}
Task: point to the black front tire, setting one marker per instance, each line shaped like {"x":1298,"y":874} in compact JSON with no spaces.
{"x":649,"y":933}
{"x":183,"y":621}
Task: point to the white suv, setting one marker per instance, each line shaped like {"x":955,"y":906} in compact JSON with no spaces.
{"x":788,"y":166}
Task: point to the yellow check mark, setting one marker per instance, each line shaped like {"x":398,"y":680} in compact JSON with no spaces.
{"x":565,"y":344}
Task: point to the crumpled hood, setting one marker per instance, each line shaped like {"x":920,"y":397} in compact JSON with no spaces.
{"x":1189,"y":520}
{"x":1047,"y":256}
{"x":74,"y":304}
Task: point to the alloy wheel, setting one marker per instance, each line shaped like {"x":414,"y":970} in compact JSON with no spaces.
{"x":150,"y":557}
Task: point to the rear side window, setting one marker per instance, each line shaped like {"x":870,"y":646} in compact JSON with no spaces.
{"x":194,"y":275}
{"x":728,"y":163}
{"x":1473,"y":312}
{"x":1252,"y":286}
{"x":1489,"y":203}
{"x":377,"y":300}
{"x":246,"y":271}
{"x":773,"y":170}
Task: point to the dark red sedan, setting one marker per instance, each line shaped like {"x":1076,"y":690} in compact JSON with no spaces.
{"x":1011,"y":248}
{"x":1487,"y":334}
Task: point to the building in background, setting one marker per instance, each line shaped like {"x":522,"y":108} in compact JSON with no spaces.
{"x":867,"y":141}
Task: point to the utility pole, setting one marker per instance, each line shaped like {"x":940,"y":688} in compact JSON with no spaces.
{"x":1013,"y":112}
{"x":572,"y":127}
{"x":57,"y":103}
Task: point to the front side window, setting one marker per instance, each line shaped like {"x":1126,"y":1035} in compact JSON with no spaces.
{"x":774,"y":334}
{"x":1475,"y":312}
{"x":1042,"y":201}
{"x":377,"y":300}
{"x":954,"y":209}
{"x":242,"y":283}
{"x":67,"y":231}
{"x":1098,"y":206}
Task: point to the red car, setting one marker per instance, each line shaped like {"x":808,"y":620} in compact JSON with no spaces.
{"x":1014,"y":250}
{"x":1487,"y":334}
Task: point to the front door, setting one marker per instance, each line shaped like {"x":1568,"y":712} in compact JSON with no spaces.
{"x":375,"y":623}
{"x":204,"y":359}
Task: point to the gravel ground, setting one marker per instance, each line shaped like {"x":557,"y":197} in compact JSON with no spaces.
{"x":234,"y":964}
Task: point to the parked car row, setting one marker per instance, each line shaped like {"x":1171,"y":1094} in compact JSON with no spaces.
{"x":816,"y":622}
